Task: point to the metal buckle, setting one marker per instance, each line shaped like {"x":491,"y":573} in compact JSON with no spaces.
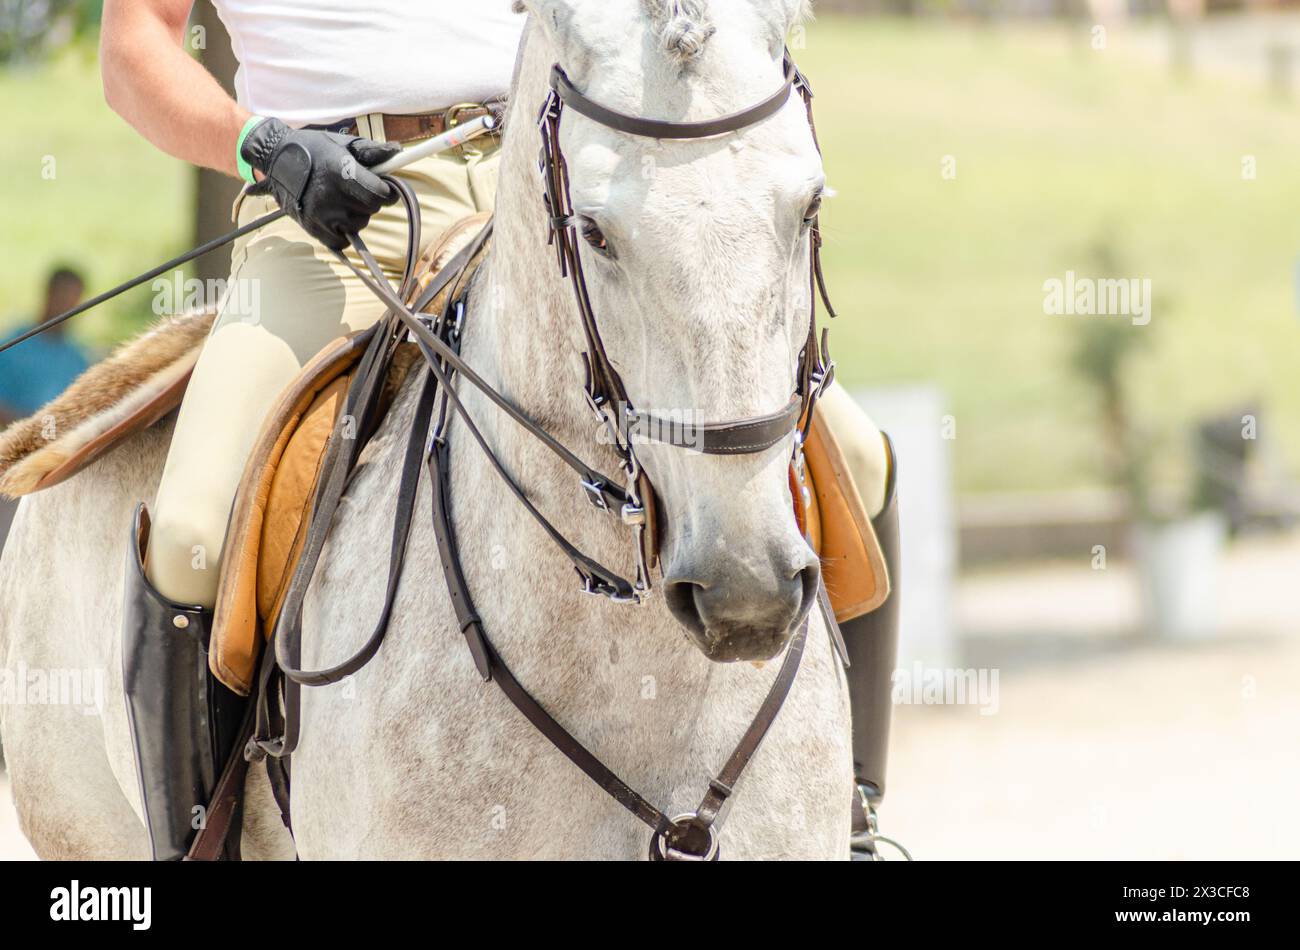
{"x":258,"y":749}
{"x":450,"y":117}
{"x":595,"y":490}
{"x":454,"y":333}
{"x":822,"y":378}
{"x":594,"y":402}
{"x":660,"y":850}
{"x":863,"y":845}
{"x":551,"y":108}
{"x":597,"y":588}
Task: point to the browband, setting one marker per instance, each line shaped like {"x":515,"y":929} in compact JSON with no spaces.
{"x":662,"y":129}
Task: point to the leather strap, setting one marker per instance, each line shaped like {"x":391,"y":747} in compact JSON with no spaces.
{"x":439,"y":354}
{"x":659,"y":129}
{"x":268,"y":739}
{"x":718,"y":438}
{"x":225,"y":810}
{"x":497,"y":670}
{"x":605,"y":388}
{"x":415,"y":127}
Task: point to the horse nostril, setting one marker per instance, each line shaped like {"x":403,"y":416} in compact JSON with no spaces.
{"x":744,"y":615}
{"x":683,"y":604}
{"x":810,"y":577}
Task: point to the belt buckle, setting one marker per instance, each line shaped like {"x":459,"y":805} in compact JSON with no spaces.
{"x":450,"y":118}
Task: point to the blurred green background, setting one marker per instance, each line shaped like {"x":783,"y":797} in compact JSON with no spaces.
{"x":1106,"y":137}
{"x":1060,"y":148}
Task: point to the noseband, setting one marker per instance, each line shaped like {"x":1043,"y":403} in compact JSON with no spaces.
{"x":605,"y":392}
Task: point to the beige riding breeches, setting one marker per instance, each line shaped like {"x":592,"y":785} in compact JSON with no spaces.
{"x":287,"y":297}
{"x":862,"y":445}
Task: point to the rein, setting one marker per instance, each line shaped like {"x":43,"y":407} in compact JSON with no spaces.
{"x":275,"y":728}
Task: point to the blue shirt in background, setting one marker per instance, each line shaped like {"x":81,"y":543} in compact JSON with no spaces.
{"x":33,"y":373}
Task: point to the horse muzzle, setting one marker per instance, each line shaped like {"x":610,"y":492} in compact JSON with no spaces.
{"x":738,"y":611}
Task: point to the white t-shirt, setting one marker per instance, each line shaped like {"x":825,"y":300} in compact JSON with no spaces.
{"x":316,"y":61}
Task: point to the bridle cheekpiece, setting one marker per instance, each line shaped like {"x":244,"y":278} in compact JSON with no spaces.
{"x":605,"y":392}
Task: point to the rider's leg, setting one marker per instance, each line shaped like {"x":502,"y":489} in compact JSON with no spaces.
{"x":287,"y":298}
{"x":304,"y":298}
{"x":872,"y":639}
{"x":862,"y":445}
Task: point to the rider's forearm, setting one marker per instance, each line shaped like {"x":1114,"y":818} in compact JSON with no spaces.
{"x":155,"y":85}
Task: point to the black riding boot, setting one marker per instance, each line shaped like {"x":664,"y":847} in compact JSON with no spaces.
{"x":872,"y":644}
{"x":183,"y":720}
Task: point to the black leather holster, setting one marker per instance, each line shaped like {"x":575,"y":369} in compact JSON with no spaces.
{"x":183,"y":720}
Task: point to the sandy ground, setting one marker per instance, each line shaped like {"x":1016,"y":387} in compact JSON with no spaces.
{"x":1106,"y":744}
{"x":1148,"y":753}
{"x":1103,"y":744}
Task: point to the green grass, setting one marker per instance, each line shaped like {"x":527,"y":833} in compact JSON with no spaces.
{"x":939,"y":281}
{"x":115,"y":205}
{"x":1056,"y":148}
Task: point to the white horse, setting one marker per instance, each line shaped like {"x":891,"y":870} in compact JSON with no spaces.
{"x":702,"y":303}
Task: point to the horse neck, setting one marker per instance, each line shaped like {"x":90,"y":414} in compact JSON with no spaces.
{"x":523,"y":336}
{"x":523,"y":316}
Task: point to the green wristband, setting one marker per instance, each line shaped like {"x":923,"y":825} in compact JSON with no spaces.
{"x":245,"y":169}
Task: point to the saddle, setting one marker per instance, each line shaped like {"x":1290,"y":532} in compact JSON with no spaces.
{"x":145,"y":380}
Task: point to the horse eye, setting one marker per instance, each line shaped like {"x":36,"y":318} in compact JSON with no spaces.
{"x":593,"y":235}
{"x":813,"y":211}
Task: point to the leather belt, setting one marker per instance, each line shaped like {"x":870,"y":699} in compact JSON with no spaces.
{"x":404,"y":129}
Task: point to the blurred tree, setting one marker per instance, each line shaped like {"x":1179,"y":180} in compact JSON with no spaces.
{"x":31,"y":29}
{"x":214,"y":192}
{"x":1103,"y":350}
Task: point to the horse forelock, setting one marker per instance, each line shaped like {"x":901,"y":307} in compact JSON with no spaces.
{"x":684,"y":26}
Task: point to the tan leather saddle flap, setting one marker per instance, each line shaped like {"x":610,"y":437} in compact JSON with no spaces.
{"x":837,"y":525}
{"x":272,"y":508}
{"x":272,"y":511}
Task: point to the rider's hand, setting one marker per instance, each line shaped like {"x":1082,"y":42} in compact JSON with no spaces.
{"x":322,"y":179}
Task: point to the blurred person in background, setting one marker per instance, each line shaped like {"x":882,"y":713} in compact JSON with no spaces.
{"x":34,"y":373}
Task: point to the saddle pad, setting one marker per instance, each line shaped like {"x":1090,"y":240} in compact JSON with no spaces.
{"x":835,"y":521}
{"x":142,"y":381}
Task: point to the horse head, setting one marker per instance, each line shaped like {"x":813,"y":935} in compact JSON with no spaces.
{"x":695,"y":256}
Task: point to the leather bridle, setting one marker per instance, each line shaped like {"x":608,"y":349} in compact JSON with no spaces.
{"x":605,"y":392}
{"x":274,"y":730}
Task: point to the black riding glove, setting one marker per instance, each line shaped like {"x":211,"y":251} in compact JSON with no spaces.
{"x":321,"y":179}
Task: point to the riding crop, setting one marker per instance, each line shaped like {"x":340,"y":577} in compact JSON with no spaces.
{"x":450,"y":139}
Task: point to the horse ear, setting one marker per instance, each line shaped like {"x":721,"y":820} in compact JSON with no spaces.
{"x":554,"y":14}
{"x":558,"y":19}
